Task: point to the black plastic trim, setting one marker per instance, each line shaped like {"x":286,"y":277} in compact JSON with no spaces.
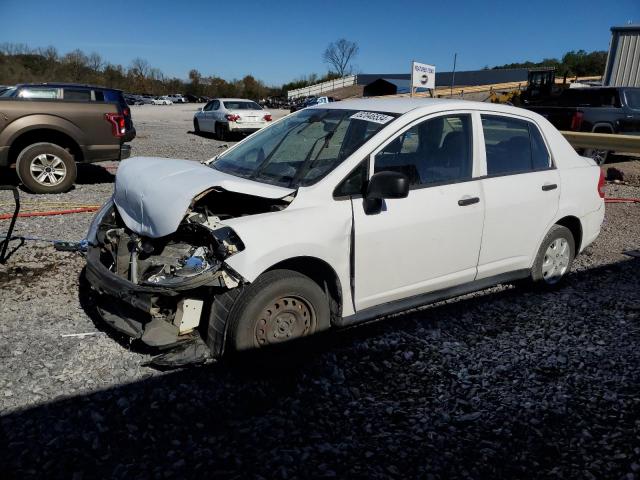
{"x":431,"y":297}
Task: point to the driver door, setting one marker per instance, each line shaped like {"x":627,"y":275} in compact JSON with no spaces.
{"x":431,"y":239}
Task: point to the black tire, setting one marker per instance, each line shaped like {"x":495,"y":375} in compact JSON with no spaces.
{"x":281,"y":305}
{"x":551,"y":275}
{"x":32,"y":165}
{"x":221,"y":132}
{"x":196,"y":125}
{"x":599,"y":156}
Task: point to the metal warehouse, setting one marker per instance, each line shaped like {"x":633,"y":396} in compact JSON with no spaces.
{"x":623,"y":62}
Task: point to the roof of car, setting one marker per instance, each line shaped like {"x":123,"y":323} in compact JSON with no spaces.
{"x":63,"y":84}
{"x":233,"y":99}
{"x":403,"y":105}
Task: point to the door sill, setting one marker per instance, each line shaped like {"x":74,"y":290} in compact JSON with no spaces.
{"x":398,"y":306}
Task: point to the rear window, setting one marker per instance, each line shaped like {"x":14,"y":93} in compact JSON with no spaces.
{"x":232,"y":105}
{"x":513,"y":146}
{"x":590,"y":97}
{"x":77,"y":94}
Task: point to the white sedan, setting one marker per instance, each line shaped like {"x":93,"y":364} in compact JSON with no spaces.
{"x":223,"y":116}
{"x":338,"y":214}
{"x":162,"y":101}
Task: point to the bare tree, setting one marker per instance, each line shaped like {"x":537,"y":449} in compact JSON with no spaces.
{"x":339,"y":55}
{"x":95,"y":62}
{"x":139,"y":67}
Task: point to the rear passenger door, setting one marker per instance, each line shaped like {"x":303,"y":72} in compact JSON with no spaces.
{"x":521,"y":191}
{"x":431,"y":239}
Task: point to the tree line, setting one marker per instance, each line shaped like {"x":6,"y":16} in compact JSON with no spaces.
{"x":22,"y":64}
{"x":574,"y":63}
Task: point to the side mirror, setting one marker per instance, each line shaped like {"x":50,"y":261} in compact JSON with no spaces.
{"x":385,"y":185}
{"x":388,"y":185}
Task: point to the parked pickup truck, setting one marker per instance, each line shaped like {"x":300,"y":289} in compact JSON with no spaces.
{"x":46,"y":128}
{"x":595,"y":109}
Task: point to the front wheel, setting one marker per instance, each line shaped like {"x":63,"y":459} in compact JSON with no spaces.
{"x":554,"y":258}
{"x":196,"y":125}
{"x":46,"y":168}
{"x":280,"y":306}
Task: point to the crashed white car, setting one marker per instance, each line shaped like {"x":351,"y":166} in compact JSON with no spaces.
{"x":335,"y":215}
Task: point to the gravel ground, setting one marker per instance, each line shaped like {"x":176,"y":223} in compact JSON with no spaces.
{"x":505,"y":383}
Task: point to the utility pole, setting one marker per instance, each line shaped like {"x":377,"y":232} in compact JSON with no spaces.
{"x":453,"y":77}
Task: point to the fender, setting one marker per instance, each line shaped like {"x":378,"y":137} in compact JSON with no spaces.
{"x":38,"y":121}
{"x":603,"y":125}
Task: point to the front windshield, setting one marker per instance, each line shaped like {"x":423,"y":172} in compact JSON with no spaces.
{"x":303,"y":147}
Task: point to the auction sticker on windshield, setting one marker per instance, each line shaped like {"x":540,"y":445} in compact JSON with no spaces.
{"x":372,"y":117}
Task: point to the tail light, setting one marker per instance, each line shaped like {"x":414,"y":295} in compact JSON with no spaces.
{"x":118,"y":128}
{"x":601,"y":184}
{"x":267,"y":118}
{"x":576,"y":120}
{"x":232,"y":117}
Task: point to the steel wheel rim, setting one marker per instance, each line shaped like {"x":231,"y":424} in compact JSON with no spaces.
{"x":556,"y":260}
{"x":599,"y":156}
{"x":285,"y":318}
{"x":48,"y":169}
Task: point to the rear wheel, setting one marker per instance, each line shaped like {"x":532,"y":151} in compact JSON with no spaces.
{"x":600,"y":156}
{"x":554,"y":258}
{"x":281,"y":305}
{"x":221,"y":132}
{"x":46,"y":168}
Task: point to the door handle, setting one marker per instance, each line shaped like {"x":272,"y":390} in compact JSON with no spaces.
{"x":464,"y":201}
{"x":549,"y":186}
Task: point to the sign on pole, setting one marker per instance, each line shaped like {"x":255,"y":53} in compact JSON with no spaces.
{"x":422,"y":76}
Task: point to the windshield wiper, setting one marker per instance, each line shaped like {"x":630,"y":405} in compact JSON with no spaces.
{"x":307,"y":164}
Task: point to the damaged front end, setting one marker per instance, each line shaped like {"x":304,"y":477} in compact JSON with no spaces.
{"x":160,"y":290}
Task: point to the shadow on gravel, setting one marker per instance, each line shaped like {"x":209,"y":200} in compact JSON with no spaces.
{"x":513,"y":384}
{"x":88,"y":174}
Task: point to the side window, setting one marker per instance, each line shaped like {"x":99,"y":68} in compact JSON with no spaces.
{"x":38,"y":92}
{"x":208,"y":106}
{"x":99,"y":95}
{"x":216,"y":104}
{"x":77,"y":94}
{"x":513,"y":146}
{"x":540,"y":157}
{"x":436,"y":151}
{"x":354,"y":183}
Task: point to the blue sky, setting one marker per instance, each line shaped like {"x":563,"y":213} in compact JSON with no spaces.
{"x":280,"y":40}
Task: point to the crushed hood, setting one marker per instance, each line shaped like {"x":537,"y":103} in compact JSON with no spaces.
{"x":153,"y":194}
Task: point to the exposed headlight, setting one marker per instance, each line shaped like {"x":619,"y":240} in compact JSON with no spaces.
{"x":97,"y":220}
